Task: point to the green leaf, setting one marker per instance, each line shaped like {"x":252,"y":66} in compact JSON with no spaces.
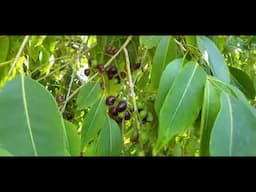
{"x":88,"y":95}
{"x":109,"y":142}
{"x":210,"y":109}
{"x":4,"y":47}
{"x":149,"y":41}
{"x":93,"y":122}
{"x":31,"y":124}
{"x":37,"y":40}
{"x":166,"y":82}
{"x":165,"y":52}
{"x":234,"y":131}
{"x":214,"y":58}
{"x":243,"y":82}
{"x":4,"y":152}
{"x":182,"y":103}
{"x":74,"y":139}
{"x":191,"y":40}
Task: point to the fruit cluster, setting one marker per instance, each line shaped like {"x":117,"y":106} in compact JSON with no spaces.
{"x":118,"y":112}
{"x":110,"y":50}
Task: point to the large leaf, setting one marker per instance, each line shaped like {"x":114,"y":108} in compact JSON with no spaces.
{"x":149,"y":41}
{"x":165,"y":52}
{"x":88,"y":95}
{"x":182,"y":103}
{"x":234,"y":132}
{"x":31,"y":124}
{"x":109,"y":142}
{"x":243,"y":82}
{"x":4,"y":50}
{"x":166,"y":82}
{"x":210,"y":109}
{"x":214,"y":58}
{"x":93,"y":122}
{"x":74,"y":139}
{"x":4,"y":152}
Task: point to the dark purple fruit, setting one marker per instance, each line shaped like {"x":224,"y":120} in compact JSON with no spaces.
{"x":127,"y":115}
{"x":101,"y":68}
{"x":123,"y":75}
{"x":118,"y":119}
{"x":114,"y":51}
{"x":113,"y":111}
{"x":69,"y":116}
{"x":110,"y":100}
{"x":136,"y":66}
{"x":87,"y":72}
{"x":110,"y":76}
{"x":113,"y":70}
{"x":135,"y":137}
{"x":59,"y":98}
{"x":109,"y":49}
{"x":122,"y":105}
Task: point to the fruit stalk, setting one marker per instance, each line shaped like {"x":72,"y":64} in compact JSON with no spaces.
{"x":131,"y":86}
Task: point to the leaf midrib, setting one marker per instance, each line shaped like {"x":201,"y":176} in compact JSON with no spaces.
{"x":183,"y":95}
{"x":231,"y":124}
{"x":110,"y":136}
{"x":27,"y":114}
{"x":95,"y":114}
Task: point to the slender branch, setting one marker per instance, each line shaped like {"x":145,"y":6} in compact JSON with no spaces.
{"x":6,"y":62}
{"x":181,"y":45}
{"x":63,"y":66}
{"x":131,"y":85}
{"x":69,"y":90}
{"x":77,"y":61}
{"x":107,"y":64}
{"x":18,"y":54}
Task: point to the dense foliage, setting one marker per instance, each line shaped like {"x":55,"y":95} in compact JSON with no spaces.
{"x":127,"y":95}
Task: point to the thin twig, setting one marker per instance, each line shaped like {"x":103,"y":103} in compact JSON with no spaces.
{"x":131,"y":86}
{"x":6,"y":62}
{"x":107,"y":64}
{"x":18,"y":55}
{"x":77,"y":61}
{"x":57,"y":69}
{"x":181,"y":45}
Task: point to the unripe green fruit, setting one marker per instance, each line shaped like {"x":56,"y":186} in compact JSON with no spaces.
{"x":121,"y":115}
{"x":143,"y":114}
{"x":140,"y":105}
{"x":150,"y":117}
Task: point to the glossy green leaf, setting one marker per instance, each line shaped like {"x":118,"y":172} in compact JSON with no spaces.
{"x":210,"y":109}
{"x":149,"y":41}
{"x":182,"y":103}
{"x":243,"y":82}
{"x":166,"y":82}
{"x":93,"y":122}
{"x":31,"y":124}
{"x":234,"y":131}
{"x":214,"y":58}
{"x":165,"y":52}
{"x":88,"y":95}
{"x":109,"y":142}
{"x":5,"y":153}
{"x":74,"y":139}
